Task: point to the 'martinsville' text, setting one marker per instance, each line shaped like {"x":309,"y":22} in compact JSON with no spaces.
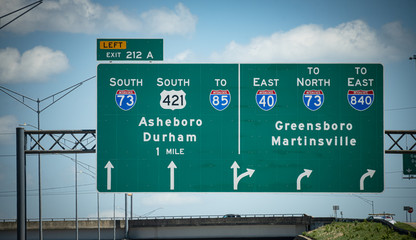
{"x":313,"y":134}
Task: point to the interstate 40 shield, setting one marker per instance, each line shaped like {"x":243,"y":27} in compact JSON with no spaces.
{"x":266,"y":99}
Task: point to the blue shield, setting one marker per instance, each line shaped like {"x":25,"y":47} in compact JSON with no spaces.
{"x":266,"y":99}
{"x":313,"y":99}
{"x":126,"y":99}
{"x":360,"y":100}
{"x":220,"y":99}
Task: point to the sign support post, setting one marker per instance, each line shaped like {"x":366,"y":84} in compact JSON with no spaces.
{"x":21,"y":183}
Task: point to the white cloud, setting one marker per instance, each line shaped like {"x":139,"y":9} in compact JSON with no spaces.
{"x":164,"y":199}
{"x":8,"y":126}
{"x":185,"y":56}
{"x":84,"y":16}
{"x":178,"y":21}
{"x":36,"y":64}
{"x":109,"y":214}
{"x":348,"y":42}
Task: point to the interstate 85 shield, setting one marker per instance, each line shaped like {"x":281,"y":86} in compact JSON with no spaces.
{"x":220,"y":99}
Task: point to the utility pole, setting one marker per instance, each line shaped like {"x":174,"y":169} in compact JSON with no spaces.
{"x":114,"y":216}
{"x":126,"y":220}
{"x":76,"y":196}
{"x":335,"y":208}
{"x":131,"y":206}
{"x":98,"y":215}
{"x":21,"y":99}
{"x":412,"y":58}
{"x":367,"y":201}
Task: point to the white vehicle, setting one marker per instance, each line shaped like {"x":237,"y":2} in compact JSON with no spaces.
{"x":387,"y":218}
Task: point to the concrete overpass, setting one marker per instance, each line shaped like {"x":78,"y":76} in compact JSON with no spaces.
{"x":193,"y":227}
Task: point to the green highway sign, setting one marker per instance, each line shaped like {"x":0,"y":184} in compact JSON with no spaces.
{"x":157,"y":130}
{"x":127,"y":49}
{"x":409,"y":164}
{"x":240,"y":128}
{"x":313,"y":127}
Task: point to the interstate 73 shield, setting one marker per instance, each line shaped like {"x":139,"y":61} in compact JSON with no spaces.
{"x":360,"y":100}
{"x":313,"y":99}
{"x":220,"y":99}
{"x":125,"y":99}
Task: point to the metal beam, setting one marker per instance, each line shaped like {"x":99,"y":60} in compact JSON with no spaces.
{"x":400,"y":141}
{"x":60,"y":141}
{"x":80,"y":141}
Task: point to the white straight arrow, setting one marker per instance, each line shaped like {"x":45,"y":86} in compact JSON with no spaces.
{"x":306,"y":173}
{"x":109,"y":166}
{"x":369,"y":173}
{"x":235,"y":168}
{"x":237,"y":178}
{"x":172,"y":167}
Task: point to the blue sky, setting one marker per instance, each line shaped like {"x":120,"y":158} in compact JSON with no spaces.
{"x":53,"y":47}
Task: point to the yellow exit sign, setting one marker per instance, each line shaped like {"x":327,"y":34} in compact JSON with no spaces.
{"x":113,"y":45}
{"x":129,"y":49}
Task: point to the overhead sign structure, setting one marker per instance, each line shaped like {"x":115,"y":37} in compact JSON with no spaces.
{"x":409,"y":164}
{"x":240,"y":128}
{"x":127,"y":49}
{"x":177,"y":132}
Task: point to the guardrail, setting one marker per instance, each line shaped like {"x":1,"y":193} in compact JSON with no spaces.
{"x":219,"y":216}
{"x":158,"y":217}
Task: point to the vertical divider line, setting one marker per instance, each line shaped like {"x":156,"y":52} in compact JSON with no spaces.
{"x":239,"y":112}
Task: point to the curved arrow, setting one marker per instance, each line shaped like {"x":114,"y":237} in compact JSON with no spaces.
{"x":109,"y":166}
{"x":306,"y":173}
{"x":237,"y":178}
{"x":369,"y":173}
{"x":172,"y":167}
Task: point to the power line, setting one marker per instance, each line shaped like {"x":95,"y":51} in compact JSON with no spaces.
{"x":32,"y":6}
{"x":15,"y":95}
{"x":394,"y":172}
{"x":400,"y":187}
{"x":38,"y":110}
{"x":396,"y":109}
{"x":52,"y":188}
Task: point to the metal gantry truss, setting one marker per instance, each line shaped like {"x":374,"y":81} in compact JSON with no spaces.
{"x":45,"y":142}
{"x":60,"y":141}
{"x":402,"y":141}
{"x":84,"y":141}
